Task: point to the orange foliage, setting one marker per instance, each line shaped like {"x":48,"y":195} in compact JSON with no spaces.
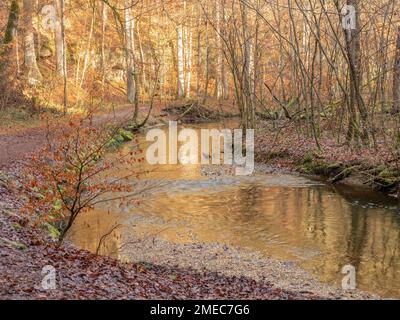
{"x":71,"y":175}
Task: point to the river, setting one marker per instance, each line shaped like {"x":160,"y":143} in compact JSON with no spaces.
{"x":318,"y":226}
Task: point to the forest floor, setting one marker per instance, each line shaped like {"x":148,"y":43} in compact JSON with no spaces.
{"x":17,"y":143}
{"x":25,"y":250}
{"x":82,"y":275}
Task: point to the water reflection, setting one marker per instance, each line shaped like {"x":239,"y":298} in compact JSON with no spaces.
{"x":315,"y":226}
{"x":319,"y":226}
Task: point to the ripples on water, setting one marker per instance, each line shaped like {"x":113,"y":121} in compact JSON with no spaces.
{"x":319,"y":226}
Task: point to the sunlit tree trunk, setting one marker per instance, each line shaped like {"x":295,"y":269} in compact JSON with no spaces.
{"x":219,"y":75}
{"x":199,"y":58}
{"x":86,"y":59}
{"x":163,"y":68}
{"x":103,"y":55}
{"x":224,"y":76}
{"x":38,"y":35}
{"x":181,"y":64}
{"x":144,"y":85}
{"x":130,"y":58}
{"x":61,"y":55}
{"x":33,"y":74}
{"x":207,"y":65}
{"x":189,"y":65}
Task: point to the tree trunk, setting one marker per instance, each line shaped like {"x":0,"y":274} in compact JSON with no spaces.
{"x":396,"y":76}
{"x":33,"y":74}
{"x":181,"y":64}
{"x":224,"y":76}
{"x":61,"y":56}
{"x":189,"y":65}
{"x":86,"y":59}
{"x":248,"y":105}
{"x":10,"y":32}
{"x":199,"y":58}
{"x":354,"y":59}
{"x":144,"y":85}
{"x":207,"y":65}
{"x":219,"y":76}
{"x":130,"y":57}
{"x":64,"y":57}
{"x":103,"y":54}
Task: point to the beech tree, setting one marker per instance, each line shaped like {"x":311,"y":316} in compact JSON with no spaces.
{"x":396,"y":76}
{"x":10,"y":32}
{"x":292,"y":60}
{"x":33,"y":73}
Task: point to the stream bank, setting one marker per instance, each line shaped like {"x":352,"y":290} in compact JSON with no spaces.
{"x":168,"y":271}
{"x":276,"y":280}
{"x":81,"y":275}
{"x":283,"y":146}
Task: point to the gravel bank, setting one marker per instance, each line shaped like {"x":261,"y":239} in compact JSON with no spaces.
{"x":236,"y":262}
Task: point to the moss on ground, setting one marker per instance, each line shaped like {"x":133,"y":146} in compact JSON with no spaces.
{"x":384,"y":177}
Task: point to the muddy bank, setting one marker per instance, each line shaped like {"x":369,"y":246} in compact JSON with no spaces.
{"x":282,"y":146}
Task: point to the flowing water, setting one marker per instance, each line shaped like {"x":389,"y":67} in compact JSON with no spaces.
{"x":319,"y":226}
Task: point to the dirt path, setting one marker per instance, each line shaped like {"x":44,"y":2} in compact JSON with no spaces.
{"x":16,"y":146}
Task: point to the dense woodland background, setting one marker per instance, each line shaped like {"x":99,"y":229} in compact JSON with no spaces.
{"x":275,"y":59}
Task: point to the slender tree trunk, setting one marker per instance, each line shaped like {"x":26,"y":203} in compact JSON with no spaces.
{"x":130,"y":58}
{"x":248,"y":106}
{"x":144,"y":85}
{"x":396,"y":76}
{"x":39,"y":36}
{"x":17,"y":52}
{"x":163,"y":68}
{"x":86,"y":59}
{"x":103,"y":54}
{"x":181,"y":64}
{"x":224,"y":76}
{"x":199,"y":58}
{"x":219,"y":75}
{"x":207,"y":65}
{"x":61,"y":55}
{"x":353,"y":46}
{"x":189,"y":65}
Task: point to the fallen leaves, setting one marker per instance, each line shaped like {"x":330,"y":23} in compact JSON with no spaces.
{"x":82,"y":275}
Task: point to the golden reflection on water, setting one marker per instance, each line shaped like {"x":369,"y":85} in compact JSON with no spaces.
{"x":320,"y":227}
